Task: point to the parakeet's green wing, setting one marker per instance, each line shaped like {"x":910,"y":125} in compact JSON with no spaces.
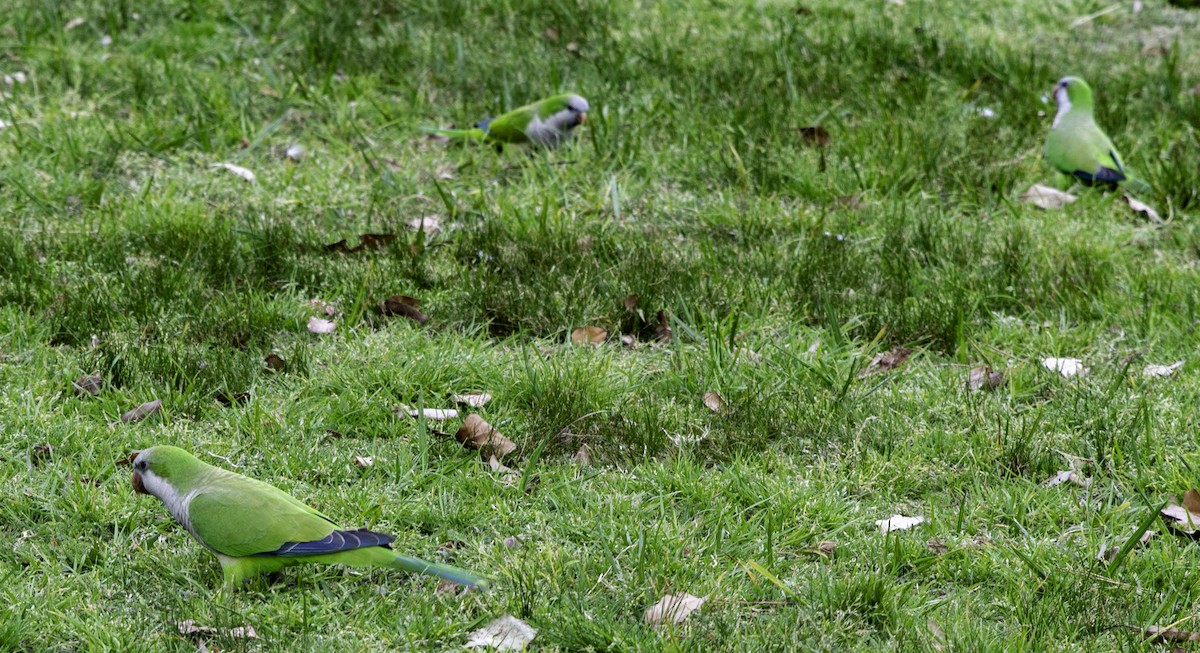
{"x":1090,"y":153}
{"x":244,"y":517}
{"x":510,"y":127}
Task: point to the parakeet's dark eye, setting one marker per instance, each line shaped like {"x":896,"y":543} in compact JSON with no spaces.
{"x":141,"y":465}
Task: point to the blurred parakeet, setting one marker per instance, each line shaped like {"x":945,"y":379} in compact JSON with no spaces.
{"x":256,"y":528}
{"x":1076,"y":146}
{"x":546,"y":123}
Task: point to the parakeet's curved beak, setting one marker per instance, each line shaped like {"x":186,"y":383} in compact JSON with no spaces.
{"x":583,"y":118}
{"x":137,"y":484}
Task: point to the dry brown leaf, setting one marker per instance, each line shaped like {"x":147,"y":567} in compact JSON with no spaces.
{"x":190,"y":629}
{"x":404,"y":306}
{"x":814,"y":136}
{"x":887,"y":361}
{"x":983,"y":378}
{"x":673,"y":609}
{"x":714,"y":401}
{"x":472,"y":399}
{"x":320,"y":326}
{"x":583,"y":456}
{"x":1185,"y":519}
{"x":40,"y":453}
{"x":365,"y":242}
{"x":88,"y":384}
{"x":479,"y":435}
{"x":827,"y":547}
{"x":937,"y":638}
{"x":898,"y":523}
{"x":1048,"y":198}
{"x":363,"y":462}
{"x":1165,"y":634}
{"x":230,"y":398}
{"x":504,"y":634}
{"x":589,"y":335}
{"x":141,"y":412}
{"x":274,"y":362}
{"x":630,"y":303}
{"x":1145,"y":209}
{"x":237,"y":170}
{"x":663,"y":331}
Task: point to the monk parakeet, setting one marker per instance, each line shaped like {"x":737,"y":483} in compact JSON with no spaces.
{"x":256,"y":528}
{"x":546,"y":123}
{"x":1076,"y":146}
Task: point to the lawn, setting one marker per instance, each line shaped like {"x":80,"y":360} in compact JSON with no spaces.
{"x":799,"y":189}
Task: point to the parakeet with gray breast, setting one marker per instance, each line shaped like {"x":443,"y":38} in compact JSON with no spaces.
{"x":547,"y":123}
{"x":1076,"y":145}
{"x":254,"y":528}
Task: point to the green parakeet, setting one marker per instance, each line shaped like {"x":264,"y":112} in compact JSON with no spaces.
{"x":546,"y":123}
{"x":1076,"y":145}
{"x":256,"y":528}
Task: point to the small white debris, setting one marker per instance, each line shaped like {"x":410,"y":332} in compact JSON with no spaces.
{"x":237,"y":170}
{"x":1067,"y":367}
{"x":1046,"y":197}
{"x":1161,"y":370}
{"x":673,"y":609}
{"x":897,"y":523}
{"x":294,"y":152}
{"x":317,"y":325}
{"x":504,"y":634}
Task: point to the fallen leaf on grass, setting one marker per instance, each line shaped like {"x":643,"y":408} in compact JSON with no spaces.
{"x":583,"y":456}
{"x":887,"y":361}
{"x":472,"y":399}
{"x":365,"y":242}
{"x":478,"y":434}
{"x":141,"y":412}
{"x":73,"y":23}
{"x":504,"y":634}
{"x":1047,"y":198}
{"x":190,"y":629}
{"x":937,"y":638}
{"x":363,"y":462}
{"x":1166,"y":634}
{"x":237,"y":170}
{"x":1184,"y":519}
{"x":404,"y":306}
{"x":936,"y":546}
{"x":898,"y":523}
{"x":435,"y":414}
{"x":40,"y":453}
{"x":1068,"y":476}
{"x":1161,"y":370}
{"x":826,"y":547}
{"x":430,"y":224}
{"x":230,"y":398}
{"x":1143,"y":208}
{"x":814,"y":136}
{"x":983,"y":378}
{"x":673,"y":609}
{"x":274,"y":362}
{"x":1067,"y":367}
{"x":663,"y":331}
{"x":714,"y":401}
{"x":589,"y":335}
{"x":511,"y":542}
{"x":747,"y":355}
{"x":88,"y":384}
{"x":318,"y":325}
{"x":630,"y":303}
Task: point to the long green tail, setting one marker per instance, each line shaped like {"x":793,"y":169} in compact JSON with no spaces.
{"x":474,"y":134}
{"x":453,"y":574}
{"x":1135,"y":185}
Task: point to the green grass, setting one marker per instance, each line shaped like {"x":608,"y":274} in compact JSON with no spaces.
{"x":124,"y":253}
